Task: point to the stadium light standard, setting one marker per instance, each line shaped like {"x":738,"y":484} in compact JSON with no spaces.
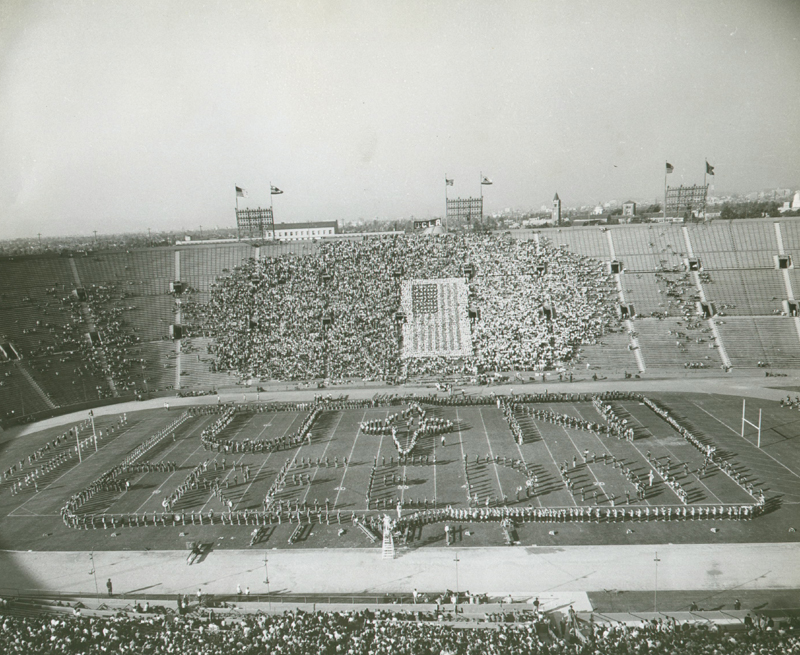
{"x":94,"y":573}
{"x":655,"y":597}
{"x":456,"y":560}
{"x":94,"y":432}
{"x":266,"y":579}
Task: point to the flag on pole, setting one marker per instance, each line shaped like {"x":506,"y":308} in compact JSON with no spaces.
{"x":275,"y":191}
{"x":448,"y":182}
{"x":670,"y":167}
{"x":486,"y":180}
{"x":91,"y":413}
{"x":709,"y":168}
{"x":240,"y":192}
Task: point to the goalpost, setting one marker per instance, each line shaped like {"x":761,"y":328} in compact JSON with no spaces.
{"x":744,"y":420}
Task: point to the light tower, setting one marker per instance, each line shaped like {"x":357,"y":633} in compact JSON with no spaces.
{"x":556,"y":209}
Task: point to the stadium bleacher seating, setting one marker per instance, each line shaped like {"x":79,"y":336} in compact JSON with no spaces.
{"x":669,"y":344}
{"x":771,"y":340}
{"x":746,"y":292}
{"x":589,"y":242}
{"x":128,"y":301}
{"x":609,"y":356}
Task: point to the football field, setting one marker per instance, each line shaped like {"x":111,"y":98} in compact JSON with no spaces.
{"x":342,"y":471}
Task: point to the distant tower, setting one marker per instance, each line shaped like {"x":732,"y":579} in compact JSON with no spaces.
{"x":557,"y":209}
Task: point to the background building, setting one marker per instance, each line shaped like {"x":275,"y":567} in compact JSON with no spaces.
{"x":556,"y":209}
{"x":305,"y":231}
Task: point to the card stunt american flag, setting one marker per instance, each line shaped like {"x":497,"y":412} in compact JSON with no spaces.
{"x":437,"y":319}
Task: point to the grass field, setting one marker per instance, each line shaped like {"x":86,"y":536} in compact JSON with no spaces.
{"x":30,"y":519}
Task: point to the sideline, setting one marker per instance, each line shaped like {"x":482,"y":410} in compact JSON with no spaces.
{"x":750,"y":387}
{"x":482,"y":570}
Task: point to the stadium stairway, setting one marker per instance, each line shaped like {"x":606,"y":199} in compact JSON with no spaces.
{"x":634,"y":343}
{"x":26,"y":374}
{"x":89,"y":318}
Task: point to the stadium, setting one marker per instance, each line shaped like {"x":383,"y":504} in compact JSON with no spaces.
{"x":519,"y":426}
{"x":409,"y":328}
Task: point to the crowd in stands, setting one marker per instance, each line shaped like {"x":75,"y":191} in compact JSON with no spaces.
{"x":367,"y":632}
{"x":331,"y":314}
{"x":81,"y":348}
{"x":81,"y":244}
{"x":680,"y":293}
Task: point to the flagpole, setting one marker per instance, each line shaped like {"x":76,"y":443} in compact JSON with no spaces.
{"x":445,"y":202}
{"x":665,"y":192}
{"x":238,"y":230}
{"x":271,"y":211}
{"x":480,"y":174}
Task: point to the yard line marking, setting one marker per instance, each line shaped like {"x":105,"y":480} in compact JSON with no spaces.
{"x":265,"y":459}
{"x":657,"y":441}
{"x":544,"y":441}
{"x":380,"y":445}
{"x":597,"y":436}
{"x":163,"y":455}
{"x":177,"y":443}
{"x":403,"y":485}
{"x":434,"y":465}
{"x":599,"y":486}
{"x":461,"y":442}
{"x":75,"y":467}
{"x":491,"y":452}
{"x":147,"y":500}
{"x":325,"y":450}
{"x":524,"y":461}
{"x":349,"y":459}
{"x":227,"y":475}
{"x":738,"y":434}
{"x":263,"y":464}
{"x":267,"y":425}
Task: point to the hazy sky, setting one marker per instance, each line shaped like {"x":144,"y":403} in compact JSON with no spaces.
{"x":122,"y":115}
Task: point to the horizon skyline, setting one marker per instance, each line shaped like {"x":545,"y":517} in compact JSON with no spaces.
{"x":119,"y":117}
{"x":544,"y":207}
